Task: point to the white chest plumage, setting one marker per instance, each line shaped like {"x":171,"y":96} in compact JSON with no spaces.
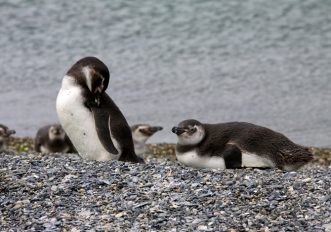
{"x":139,"y":148}
{"x":192,"y":159}
{"x":78,"y":123}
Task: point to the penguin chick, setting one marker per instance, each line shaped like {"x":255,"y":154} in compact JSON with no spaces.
{"x":4,"y":135}
{"x":236,"y":145}
{"x":53,"y":139}
{"x":140,"y":134}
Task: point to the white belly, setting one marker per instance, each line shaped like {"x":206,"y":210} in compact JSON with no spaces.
{"x":192,"y":159}
{"x":78,"y":123}
{"x":255,"y":161}
{"x":46,"y":150}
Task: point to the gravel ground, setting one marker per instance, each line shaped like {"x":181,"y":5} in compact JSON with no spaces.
{"x":47,"y":193}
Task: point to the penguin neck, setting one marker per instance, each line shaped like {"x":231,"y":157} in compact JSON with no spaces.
{"x":181,"y":148}
{"x":139,"y":139}
{"x":53,"y":137}
{"x":56,"y":141}
{"x":68,"y":82}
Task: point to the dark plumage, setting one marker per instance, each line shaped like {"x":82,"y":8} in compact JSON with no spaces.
{"x":52,"y":139}
{"x":4,"y":134}
{"x":145,"y":129}
{"x":90,"y":117}
{"x":118,"y":126}
{"x":220,"y":138}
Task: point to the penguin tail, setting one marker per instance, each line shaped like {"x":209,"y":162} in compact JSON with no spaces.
{"x":293,"y":159}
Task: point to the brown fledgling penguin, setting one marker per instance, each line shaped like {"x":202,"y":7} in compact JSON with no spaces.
{"x":92,"y":121}
{"x":140,"y":134}
{"x":53,"y":139}
{"x":236,"y":145}
{"x":4,"y":135}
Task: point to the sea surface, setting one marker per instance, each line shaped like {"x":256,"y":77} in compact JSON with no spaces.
{"x":261,"y":61}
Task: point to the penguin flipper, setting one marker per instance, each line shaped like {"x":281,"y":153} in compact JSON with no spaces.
{"x":37,"y":144}
{"x":37,"y":147}
{"x":72,"y":148}
{"x":101,"y":120}
{"x":232,"y":156}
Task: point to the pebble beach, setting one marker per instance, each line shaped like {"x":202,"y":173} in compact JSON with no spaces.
{"x":263,"y":62}
{"x":61,"y":192}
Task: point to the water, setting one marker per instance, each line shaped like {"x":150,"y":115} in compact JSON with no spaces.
{"x":266,"y":62}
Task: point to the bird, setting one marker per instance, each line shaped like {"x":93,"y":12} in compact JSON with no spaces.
{"x":140,"y":134}
{"x":52,"y":139}
{"x":91,"y":119}
{"x":236,"y":145}
{"x":4,"y":135}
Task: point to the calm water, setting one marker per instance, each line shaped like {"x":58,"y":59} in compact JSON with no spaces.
{"x":266,"y":62}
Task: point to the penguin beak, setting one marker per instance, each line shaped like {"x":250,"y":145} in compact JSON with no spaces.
{"x":154,"y":129}
{"x":178,"y":130}
{"x":10,"y":132}
{"x":57,"y":132}
{"x":149,"y":131}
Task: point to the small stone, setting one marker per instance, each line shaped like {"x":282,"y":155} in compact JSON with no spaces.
{"x":327,"y":227}
{"x":60,"y":193}
{"x":202,"y":227}
{"x":121,"y":214}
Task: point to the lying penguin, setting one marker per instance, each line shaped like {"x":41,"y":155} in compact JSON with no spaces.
{"x":236,"y":145}
{"x":4,"y":135}
{"x":93,"y":122}
{"x":53,"y":139}
{"x":140,"y":134}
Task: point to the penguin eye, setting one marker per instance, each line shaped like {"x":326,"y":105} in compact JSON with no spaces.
{"x":192,"y":129}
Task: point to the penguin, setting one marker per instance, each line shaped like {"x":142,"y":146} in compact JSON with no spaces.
{"x":52,"y":139}
{"x":92,"y":121}
{"x":140,"y":134}
{"x":236,"y":145}
{"x":4,"y":135}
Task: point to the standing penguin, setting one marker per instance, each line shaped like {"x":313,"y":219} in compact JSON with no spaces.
{"x":140,"y":134}
{"x":4,"y":135}
{"x":52,"y":139}
{"x":93,"y":122}
{"x":236,"y":145}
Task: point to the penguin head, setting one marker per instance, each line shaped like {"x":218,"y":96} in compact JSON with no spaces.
{"x":56,"y":132}
{"x":91,"y":73}
{"x":5,"y":132}
{"x":141,"y":132}
{"x":189,"y":132}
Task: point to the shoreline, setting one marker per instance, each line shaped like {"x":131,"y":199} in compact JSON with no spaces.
{"x":158,"y":150}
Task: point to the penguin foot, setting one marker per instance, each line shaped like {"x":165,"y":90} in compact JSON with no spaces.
{"x":135,"y":159}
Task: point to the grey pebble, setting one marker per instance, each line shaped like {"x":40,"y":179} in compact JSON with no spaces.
{"x":54,"y":193}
